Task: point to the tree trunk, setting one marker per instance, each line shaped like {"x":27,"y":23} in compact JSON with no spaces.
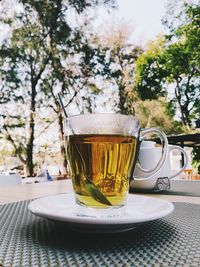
{"x":184,"y":108}
{"x":29,"y":160}
{"x":62,"y":142}
{"x":122,"y":99}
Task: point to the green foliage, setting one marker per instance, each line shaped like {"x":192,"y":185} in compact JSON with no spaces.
{"x":149,"y":76}
{"x":155,"y":113}
{"x":174,"y":61}
{"x":196,"y":158}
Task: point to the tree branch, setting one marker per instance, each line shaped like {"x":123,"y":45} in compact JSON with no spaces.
{"x":9,"y":138}
{"x":45,"y":128}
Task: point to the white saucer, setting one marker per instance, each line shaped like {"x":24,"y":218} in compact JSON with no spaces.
{"x":139,"y":210}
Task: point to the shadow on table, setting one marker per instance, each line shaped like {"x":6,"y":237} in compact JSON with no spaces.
{"x":58,"y":236}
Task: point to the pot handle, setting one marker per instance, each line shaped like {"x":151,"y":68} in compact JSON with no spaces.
{"x":185,"y":159}
{"x":164,"y":144}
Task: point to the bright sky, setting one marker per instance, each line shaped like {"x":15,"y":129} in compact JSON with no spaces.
{"x":144,"y":15}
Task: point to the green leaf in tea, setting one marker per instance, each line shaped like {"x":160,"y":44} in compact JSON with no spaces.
{"x":92,"y":189}
{"x":95,"y":193}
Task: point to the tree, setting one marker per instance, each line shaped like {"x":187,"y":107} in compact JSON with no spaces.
{"x":196,"y":158}
{"x":156,"y":113}
{"x":120,"y":55}
{"x":42,"y":38}
{"x":174,"y":61}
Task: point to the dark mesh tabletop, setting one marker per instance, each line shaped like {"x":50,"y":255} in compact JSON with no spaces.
{"x":27,"y":240}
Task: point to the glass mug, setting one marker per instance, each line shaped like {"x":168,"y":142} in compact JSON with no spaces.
{"x":102,"y":154}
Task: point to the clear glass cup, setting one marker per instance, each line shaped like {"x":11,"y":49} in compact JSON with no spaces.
{"x":102,"y":154}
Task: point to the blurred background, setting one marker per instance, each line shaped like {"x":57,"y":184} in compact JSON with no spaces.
{"x":126,"y":56}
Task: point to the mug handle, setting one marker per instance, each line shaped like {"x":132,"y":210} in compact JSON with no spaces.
{"x":185,"y":159}
{"x":164,"y":143}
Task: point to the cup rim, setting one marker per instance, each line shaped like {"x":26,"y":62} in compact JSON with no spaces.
{"x":103,"y":114}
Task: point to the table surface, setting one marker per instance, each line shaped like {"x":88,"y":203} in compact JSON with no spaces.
{"x":28,"y":240}
{"x":9,"y":194}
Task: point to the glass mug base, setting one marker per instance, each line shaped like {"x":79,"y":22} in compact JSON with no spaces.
{"x":110,"y":212}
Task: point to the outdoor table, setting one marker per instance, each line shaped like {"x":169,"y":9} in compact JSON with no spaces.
{"x":29,"y":240}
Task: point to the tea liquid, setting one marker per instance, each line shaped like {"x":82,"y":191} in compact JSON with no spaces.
{"x":103,"y":161}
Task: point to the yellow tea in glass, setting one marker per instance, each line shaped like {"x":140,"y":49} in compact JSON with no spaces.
{"x":102,"y":155}
{"x":102,"y":163}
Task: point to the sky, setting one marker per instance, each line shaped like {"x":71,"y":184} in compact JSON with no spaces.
{"x":144,"y":15}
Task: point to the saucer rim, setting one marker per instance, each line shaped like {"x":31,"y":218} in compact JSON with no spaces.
{"x":86,"y":220}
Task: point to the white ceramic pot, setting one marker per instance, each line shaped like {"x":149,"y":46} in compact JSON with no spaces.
{"x":149,"y":156}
